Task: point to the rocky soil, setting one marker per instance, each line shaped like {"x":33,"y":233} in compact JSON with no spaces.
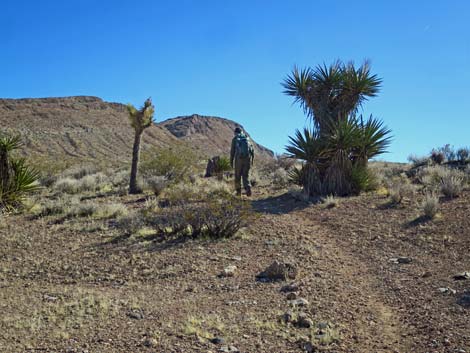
{"x":360,"y":277}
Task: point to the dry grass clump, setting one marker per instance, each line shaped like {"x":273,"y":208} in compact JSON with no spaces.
{"x":79,"y":171}
{"x":82,"y":210}
{"x":330,"y":201}
{"x":90,"y":182}
{"x":53,"y":207}
{"x":399,"y":188}
{"x":280,"y":178}
{"x":157,"y":184}
{"x":430,"y":205}
{"x":111,"y":210}
{"x":131,"y":223}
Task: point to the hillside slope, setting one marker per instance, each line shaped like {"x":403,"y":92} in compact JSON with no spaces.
{"x":89,"y":128}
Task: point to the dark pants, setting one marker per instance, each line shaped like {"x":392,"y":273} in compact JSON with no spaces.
{"x":242,"y":171}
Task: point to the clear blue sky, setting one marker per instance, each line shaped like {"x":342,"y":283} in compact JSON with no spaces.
{"x":228,"y":57}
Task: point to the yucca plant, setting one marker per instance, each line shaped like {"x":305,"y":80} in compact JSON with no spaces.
{"x":140,"y":119}
{"x":336,"y":150}
{"x":16,"y":177}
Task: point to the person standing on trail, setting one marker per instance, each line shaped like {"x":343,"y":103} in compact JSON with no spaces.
{"x":242,"y":153}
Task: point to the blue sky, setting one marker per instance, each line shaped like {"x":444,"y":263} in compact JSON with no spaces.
{"x":227,"y":58}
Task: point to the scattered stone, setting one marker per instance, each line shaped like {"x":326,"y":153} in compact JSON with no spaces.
{"x":135,"y":314}
{"x":237,"y":258}
{"x":292,"y":296}
{"x":278,"y":271}
{"x":229,"y":271}
{"x":229,"y":349}
{"x":301,"y":302}
{"x":50,"y":298}
{"x":464,"y":300}
{"x":462,"y":276}
{"x":217,"y":340}
{"x":401,"y":260}
{"x":308,"y":347}
{"x":323,"y":325}
{"x":446,"y":290}
{"x":150,"y":342}
{"x":426,"y":275}
{"x":293,"y":287}
{"x":287,"y":317}
{"x":304,"y":321}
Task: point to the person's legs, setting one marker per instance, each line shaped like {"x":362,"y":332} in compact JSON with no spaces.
{"x":238,"y":175}
{"x":246,"y":176}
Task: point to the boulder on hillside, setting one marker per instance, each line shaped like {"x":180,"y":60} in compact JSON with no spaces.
{"x":277,"y":271}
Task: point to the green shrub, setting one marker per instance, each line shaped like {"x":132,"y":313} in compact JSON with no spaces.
{"x":363,"y":179}
{"x":222,"y":164}
{"x":175,"y":163}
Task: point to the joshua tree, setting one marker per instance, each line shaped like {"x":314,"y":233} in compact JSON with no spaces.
{"x":140,"y":120}
{"x":336,"y":149}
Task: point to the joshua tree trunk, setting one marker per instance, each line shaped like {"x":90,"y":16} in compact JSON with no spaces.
{"x":4,"y":170}
{"x":133,"y":187}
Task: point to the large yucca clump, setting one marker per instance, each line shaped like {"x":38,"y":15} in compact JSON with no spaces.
{"x":336,"y":149}
{"x":16,"y":177}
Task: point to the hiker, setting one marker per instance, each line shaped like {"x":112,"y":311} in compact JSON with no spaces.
{"x":242,"y":154}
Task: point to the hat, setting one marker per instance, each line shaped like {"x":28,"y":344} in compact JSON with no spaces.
{"x":238,"y":130}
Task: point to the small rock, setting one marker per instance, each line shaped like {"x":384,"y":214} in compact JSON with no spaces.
{"x":323,"y":325}
{"x":426,"y":275}
{"x":308,"y":347}
{"x":150,"y":342}
{"x":292,"y":296}
{"x":304,"y":321}
{"x":237,"y":258}
{"x":462,"y":276}
{"x":287,"y":317}
{"x":293,"y":287}
{"x":447,"y":290}
{"x":229,"y":271}
{"x":50,"y":298}
{"x":404,"y":260}
{"x":217,"y":340}
{"x":301,"y":302}
{"x":135,"y":314}
{"x":278,"y":271}
{"x":464,"y":300}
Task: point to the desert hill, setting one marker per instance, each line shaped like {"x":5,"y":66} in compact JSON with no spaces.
{"x":86,"y":127}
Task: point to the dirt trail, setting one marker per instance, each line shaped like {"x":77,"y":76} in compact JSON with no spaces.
{"x":354,"y":293}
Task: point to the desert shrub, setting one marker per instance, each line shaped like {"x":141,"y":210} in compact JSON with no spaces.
{"x":119,"y":178}
{"x":430,"y":205}
{"x":157,"y":184}
{"x":280,"y":178}
{"x":431,"y":176}
{"x":400,"y":188}
{"x":452,"y":185}
{"x":204,"y":188}
{"x":418,"y":161}
{"x":447,"y":151}
{"x":216,"y":217}
{"x":437,"y":157}
{"x":363,"y":179}
{"x":175,"y":163}
{"x":59,"y":206}
{"x":111,"y":210}
{"x":298,"y":193}
{"x":222,"y":165}
{"x":463,"y":154}
{"x":82,"y":210}
{"x":89,"y":182}
{"x":330,"y":201}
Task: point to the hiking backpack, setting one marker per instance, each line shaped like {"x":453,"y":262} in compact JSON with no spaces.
{"x":243,"y":146}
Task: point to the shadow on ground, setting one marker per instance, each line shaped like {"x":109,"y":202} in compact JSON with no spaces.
{"x":280,"y":204}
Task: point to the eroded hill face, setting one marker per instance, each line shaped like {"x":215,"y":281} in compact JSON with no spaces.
{"x":89,"y":128}
{"x":212,"y":133}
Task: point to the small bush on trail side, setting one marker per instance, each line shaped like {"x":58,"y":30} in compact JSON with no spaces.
{"x":417,"y":161}
{"x":280,"y":178}
{"x":463,"y":154}
{"x":215,"y":218}
{"x":89,"y":182}
{"x":222,"y":165}
{"x":430,"y":205}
